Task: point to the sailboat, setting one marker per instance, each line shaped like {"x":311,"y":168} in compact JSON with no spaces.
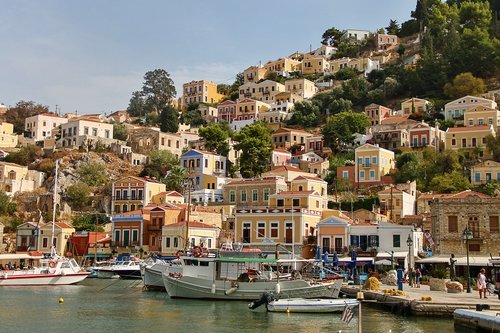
{"x":55,"y":270}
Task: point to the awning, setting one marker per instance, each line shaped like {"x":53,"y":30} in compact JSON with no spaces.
{"x":385,"y":255}
{"x":359,"y":260}
{"x":17,"y":256}
{"x":99,"y":255}
{"x":461,"y":261}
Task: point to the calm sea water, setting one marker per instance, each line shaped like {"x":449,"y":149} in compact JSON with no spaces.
{"x":121,"y":306}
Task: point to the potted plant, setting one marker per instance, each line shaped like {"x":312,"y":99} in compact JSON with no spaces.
{"x":438,"y":279}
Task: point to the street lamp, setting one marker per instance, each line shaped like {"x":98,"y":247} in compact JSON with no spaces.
{"x":409,"y":242}
{"x":467,"y":234}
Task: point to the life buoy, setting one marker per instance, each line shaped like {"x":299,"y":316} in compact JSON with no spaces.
{"x":179,"y":253}
{"x":197,"y":251}
{"x":52,"y":264}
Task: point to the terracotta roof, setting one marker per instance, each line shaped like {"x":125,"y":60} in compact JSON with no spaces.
{"x":395,"y":119}
{"x":253,"y":181}
{"x":60,"y":225}
{"x":308,"y":177}
{"x":284,"y":129}
{"x":462,"y":194}
{"x":281,"y":151}
{"x":388,"y":190}
{"x":192,"y":224}
{"x":12,"y":164}
{"x":469,"y":129}
{"x":297,"y":192}
{"x":286,"y":168}
{"x":48,"y":114}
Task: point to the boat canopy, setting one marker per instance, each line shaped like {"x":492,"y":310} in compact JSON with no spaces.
{"x":258,"y":260}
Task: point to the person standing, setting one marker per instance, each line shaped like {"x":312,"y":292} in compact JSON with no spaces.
{"x":481,"y":283}
{"x":418,"y":275}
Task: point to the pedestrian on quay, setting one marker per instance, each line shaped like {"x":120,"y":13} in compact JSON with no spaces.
{"x":418,"y":275}
{"x":481,"y":283}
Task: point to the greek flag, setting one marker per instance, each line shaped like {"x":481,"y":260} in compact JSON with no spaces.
{"x":347,"y":314}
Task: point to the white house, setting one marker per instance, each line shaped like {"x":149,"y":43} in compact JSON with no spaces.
{"x":42,"y":126}
{"x":82,"y":131}
{"x":456,"y":109}
{"x":356,"y":34}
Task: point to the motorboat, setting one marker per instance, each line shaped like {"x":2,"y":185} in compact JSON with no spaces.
{"x":242,"y":279}
{"x":124,"y":269}
{"x":152,"y":271}
{"x":53,"y":271}
{"x":303,"y":305}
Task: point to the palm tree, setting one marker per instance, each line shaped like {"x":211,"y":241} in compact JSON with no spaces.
{"x":176,"y":178}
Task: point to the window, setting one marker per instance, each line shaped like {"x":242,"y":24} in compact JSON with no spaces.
{"x":475,"y":247}
{"x":210,"y":243}
{"x":295,"y":202}
{"x":453,"y":142}
{"x":280,"y":202}
{"x":117,"y":235}
{"x":232,"y":196}
{"x":245,"y":237}
{"x":94,"y":131}
{"x":494,"y":224}
{"x":176,"y":242}
{"x":372,"y":174}
{"x":261,"y":229}
{"x":266,"y":194}
{"x":274,"y":230}
{"x":206,"y":163}
{"x":474,"y":226}
{"x":255,"y":195}
{"x":477,"y":177}
{"x":345,"y":174}
{"x":167,"y":241}
{"x":45,"y":242}
{"x":244,"y":196}
{"x":135,"y":235}
{"x":452,"y":223}
{"x":374,"y":159}
{"x":106,"y":134}
{"x":396,"y":240}
{"x":361,"y":175}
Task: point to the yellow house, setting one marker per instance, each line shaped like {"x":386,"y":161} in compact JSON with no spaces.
{"x":310,"y":183}
{"x":301,"y":87}
{"x":199,"y":91}
{"x":288,"y":137}
{"x":315,"y":65}
{"x":282,"y":65}
{"x":288,"y":172}
{"x":469,"y":138}
{"x":371,"y":163}
{"x":12,"y":176}
{"x":131,"y":193}
{"x":291,"y":217}
{"x":413,"y":105}
{"x":264,"y":91}
{"x":254,"y":74}
{"x":248,"y":108}
{"x":200,"y":234}
{"x":333,"y":234}
{"x":62,"y":236}
{"x":172,"y":197}
{"x":455,"y":110}
{"x":482,"y":115}
{"x":485,"y":172}
{"x":7,"y":137}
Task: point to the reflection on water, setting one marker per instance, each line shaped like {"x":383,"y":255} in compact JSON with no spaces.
{"x":122,"y":306}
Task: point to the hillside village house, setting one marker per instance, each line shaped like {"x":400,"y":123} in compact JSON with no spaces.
{"x":132,"y":193}
{"x":485,"y":172}
{"x":227,"y":111}
{"x":172,"y":197}
{"x":7,"y":137}
{"x":62,"y":236}
{"x":288,"y":137}
{"x":248,"y":108}
{"x":357,"y":34}
{"x":144,"y":140}
{"x":482,"y":115}
{"x":17,"y":178}
{"x":264,"y":91}
{"x":209,"y":113}
{"x":423,"y":135}
{"x":301,"y":87}
{"x":376,"y":113}
{"x":288,"y":172}
{"x":199,"y":234}
{"x":42,"y":126}
{"x":282,"y":66}
{"x":455,"y":110}
{"x":253,"y":192}
{"x":392,"y":139}
{"x":27,"y":237}
{"x":199,"y":92}
{"x":254,"y":74}
{"x":386,"y":41}
{"x":473,"y":137}
{"x":413,"y":105}
{"x":371,"y":164}
{"x":479,"y":213}
{"x":333,"y":234}
{"x":396,"y":203}
{"x":280,"y":157}
{"x":315,"y":65}
{"x":83,"y":131}
{"x":324,"y":50}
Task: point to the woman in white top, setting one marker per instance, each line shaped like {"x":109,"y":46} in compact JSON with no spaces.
{"x":481,"y":283}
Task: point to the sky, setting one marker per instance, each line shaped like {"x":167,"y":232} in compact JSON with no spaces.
{"x":90,"y":56}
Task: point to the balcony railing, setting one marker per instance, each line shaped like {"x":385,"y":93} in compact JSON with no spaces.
{"x":127,"y":197}
{"x":247,"y":94}
{"x":154,"y":227}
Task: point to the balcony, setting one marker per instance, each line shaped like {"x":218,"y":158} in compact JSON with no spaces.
{"x":128,"y":197}
{"x":265,"y":92}
{"x":154,"y":227}
{"x":247,"y":94}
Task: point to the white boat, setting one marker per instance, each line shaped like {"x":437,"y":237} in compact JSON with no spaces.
{"x":55,"y":271}
{"x":302,"y":305}
{"x":152,"y":272}
{"x":122,"y":269}
{"x":241,"y":279}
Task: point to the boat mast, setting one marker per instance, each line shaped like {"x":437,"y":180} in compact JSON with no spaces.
{"x":54,"y":196}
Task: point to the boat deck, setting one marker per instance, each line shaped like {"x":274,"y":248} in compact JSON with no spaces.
{"x":440,"y":304}
{"x":484,"y":320}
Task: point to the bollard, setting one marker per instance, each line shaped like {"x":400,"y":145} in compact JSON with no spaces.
{"x":400,"y":279}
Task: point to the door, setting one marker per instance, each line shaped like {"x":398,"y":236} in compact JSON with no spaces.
{"x":126,"y":237}
{"x":289,"y":233}
{"x":245,"y":237}
{"x":325,"y":244}
{"x":338,"y":244}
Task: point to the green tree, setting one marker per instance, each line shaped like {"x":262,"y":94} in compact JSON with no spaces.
{"x":449,"y":183}
{"x":25,"y":156}
{"x":169,"y":119}
{"x":393,"y":27}
{"x":215,"y":136}
{"x":193,"y":118}
{"x":475,"y":15}
{"x":78,"y":195}
{"x":137,"y":105}
{"x":23,"y":109}
{"x":493,"y":145}
{"x":7,"y":206}
{"x":339,"y":105}
{"x":408,"y":28}
{"x":89,"y":222}
{"x":356,"y":90}
{"x":340,"y":128}
{"x":176,"y":179}
{"x":464,"y":84}
{"x":93,"y":173}
{"x":305,"y":113}
{"x":256,"y":149}
{"x":346,"y":73}
{"x":120,"y":132}
{"x":159,"y":162}
{"x":331,"y":37}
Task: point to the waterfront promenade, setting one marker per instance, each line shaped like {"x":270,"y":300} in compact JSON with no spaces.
{"x":441,"y":303}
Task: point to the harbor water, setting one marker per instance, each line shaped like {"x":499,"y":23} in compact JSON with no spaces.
{"x":122,"y":306}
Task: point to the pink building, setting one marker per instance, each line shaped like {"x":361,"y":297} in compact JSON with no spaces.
{"x":280,"y":157}
{"x":227,"y":111}
{"x":376,"y":113}
{"x":423,"y":135}
{"x":386,"y":42}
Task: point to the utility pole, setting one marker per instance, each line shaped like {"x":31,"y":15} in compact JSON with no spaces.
{"x":186,"y":242}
